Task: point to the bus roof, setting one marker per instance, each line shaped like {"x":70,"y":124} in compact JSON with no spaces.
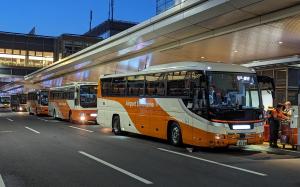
{"x":181,"y":66}
{"x":74,"y":84}
{"x":38,"y":90}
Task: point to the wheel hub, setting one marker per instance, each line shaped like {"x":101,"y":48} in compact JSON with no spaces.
{"x":175,"y":135}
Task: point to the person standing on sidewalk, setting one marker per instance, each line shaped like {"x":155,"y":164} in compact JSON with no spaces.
{"x":275,"y":116}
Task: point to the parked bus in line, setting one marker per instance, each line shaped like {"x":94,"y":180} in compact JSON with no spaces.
{"x":197,"y":103}
{"x":18,"y":102}
{"x":76,"y":102}
{"x":37,"y":102}
{"x":5,"y":102}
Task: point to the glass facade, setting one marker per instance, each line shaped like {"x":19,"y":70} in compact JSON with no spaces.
{"x":25,"y":58}
{"x":163,"y":5}
{"x":68,"y":44}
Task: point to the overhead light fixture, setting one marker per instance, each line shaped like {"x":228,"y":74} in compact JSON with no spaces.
{"x":203,"y":57}
{"x":235,"y":51}
{"x":280,"y":42}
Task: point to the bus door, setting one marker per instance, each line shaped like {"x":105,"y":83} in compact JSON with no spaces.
{"x":267,"y":89}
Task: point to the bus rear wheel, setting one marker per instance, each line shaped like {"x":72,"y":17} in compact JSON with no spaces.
{"x":116,"y":128}
{"x":54,"y":114}
{"x":70,"y":117}
{"x":174,"y":136}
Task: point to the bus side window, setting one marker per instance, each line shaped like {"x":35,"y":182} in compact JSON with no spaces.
{"x":135,"y":85}
{"x":106,"y":87}
{"x":178,"y":84}
{"x":155,"y":84}
{"x":198,"y":104}
{"x":118,"y":86}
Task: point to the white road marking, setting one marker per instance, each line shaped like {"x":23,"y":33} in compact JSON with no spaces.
{"x":9,"y":119}
{"x":1,"y":182}
{"x":80,"y":129}
{"x":6,"y":131}
{"x":32,"y":130}
{"x":116,"y":168}
{"x":216,"y":163}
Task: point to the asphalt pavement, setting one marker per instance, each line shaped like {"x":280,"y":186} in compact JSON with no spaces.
{"x":40,"y":151}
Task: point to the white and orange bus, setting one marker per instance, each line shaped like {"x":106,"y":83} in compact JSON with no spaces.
{"x":197,"y":103}
{"x":37,"y":102}
{"x":74,"y":102}
{"x":5,"y":102}
{"x":18,"y":102}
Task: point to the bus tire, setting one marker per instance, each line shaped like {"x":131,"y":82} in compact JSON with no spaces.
{"x":70,"y":117}
{"x":54,"y":114}
{"x":116,"y":127}
{"x":174,"y":134}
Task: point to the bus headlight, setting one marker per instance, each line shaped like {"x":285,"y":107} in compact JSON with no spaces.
{"x":82,"y":116}
{"x":219,"y":136}
{"x":93,"y":115}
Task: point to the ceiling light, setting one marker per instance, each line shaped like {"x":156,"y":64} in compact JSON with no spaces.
{"x":280,"y":42}
{"x":235,"y":51}
{"x":202,"y":57}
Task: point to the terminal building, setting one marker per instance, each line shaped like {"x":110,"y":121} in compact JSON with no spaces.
{"x":258,"y":34}
{"x":22,"y":54}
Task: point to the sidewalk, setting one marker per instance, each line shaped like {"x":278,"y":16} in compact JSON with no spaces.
{"x":280,"y":150}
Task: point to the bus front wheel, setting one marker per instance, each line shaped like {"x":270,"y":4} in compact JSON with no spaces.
{"x":116,"y":125}
{"x":30,"y":112}
{"x":175,"y":137}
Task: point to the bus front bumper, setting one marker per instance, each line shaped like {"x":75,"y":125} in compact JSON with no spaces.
{"x":239,"y":140}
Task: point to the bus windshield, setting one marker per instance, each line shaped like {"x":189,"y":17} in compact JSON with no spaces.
{"x":5,"y":100}
{"x":88,"y":96}
{"x":22,"y":99}
{"x":233,"y":90}
{"x":44,"y":98}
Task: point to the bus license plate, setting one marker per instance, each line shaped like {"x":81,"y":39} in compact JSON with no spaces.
{"x":241,"y":143}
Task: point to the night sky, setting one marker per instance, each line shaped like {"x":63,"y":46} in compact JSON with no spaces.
{"x":54,"y":17}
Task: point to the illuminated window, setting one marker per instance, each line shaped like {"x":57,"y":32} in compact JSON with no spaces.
{"x":1,"y":50}
{"x":23,"y":52}
{"x":38,"y":53}
{"x":31,"y":53}
{"x":48,"y":54}
{"x":16,"y":52}
{"x":8,"y":51}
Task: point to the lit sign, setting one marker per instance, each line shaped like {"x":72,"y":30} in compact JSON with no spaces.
{"x":245,"y":78}
{"x":241,"y":127}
